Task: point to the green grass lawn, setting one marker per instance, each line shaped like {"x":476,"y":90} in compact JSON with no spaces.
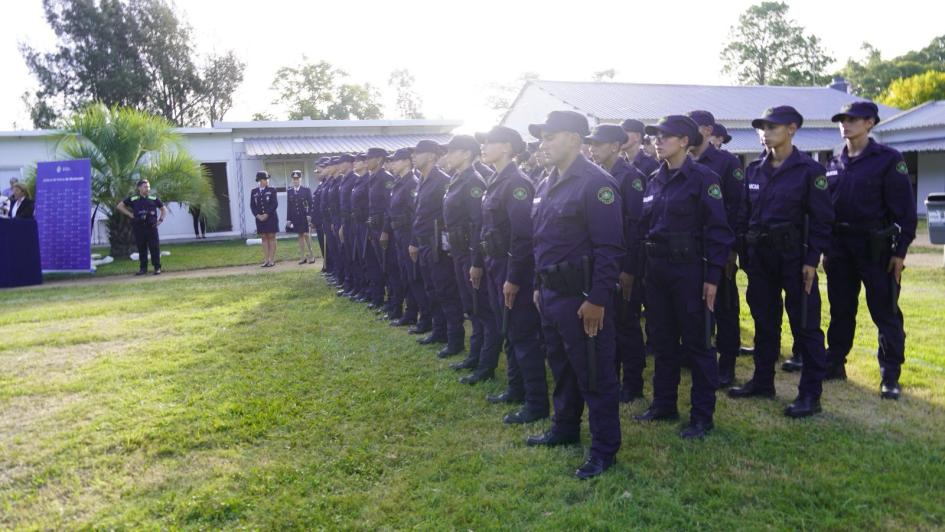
{"x":197,"y":255}
{"x":264,"y":402}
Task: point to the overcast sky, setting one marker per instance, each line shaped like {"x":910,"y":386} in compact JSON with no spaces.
{"x":456,"y":50}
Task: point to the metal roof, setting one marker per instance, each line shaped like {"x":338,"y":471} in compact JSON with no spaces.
{"x":264,"y":146}
{"x":919,"y":145}
{"x":645,"y":101}
{"x":806,"y":139}
{"x":321,"y":124}
{"x":929,"y":114}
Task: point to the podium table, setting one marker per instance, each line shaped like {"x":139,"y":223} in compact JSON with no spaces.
{"x":19,"y":253}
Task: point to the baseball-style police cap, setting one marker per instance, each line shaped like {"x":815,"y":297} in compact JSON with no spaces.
{"x":703,"y":118}
{"x":262,"y":174}
{"x":463,"y":142}
{"x":679,"y":126}
{"x":607,"y":133}
{"x":323,"y":162}
{"x":503,"y":135}
{"x":633,"y":126}
{"x":781,"y":115}
{"x":402,"y":154}
{"x":334,"y":160}
{"x":719,"y":130}
{"x":557,"y":121}
{"x":858,"y":110}
{"x":360,"y":156}
{"x":373,"y":153}
{"x":296,"y":174}
{"x":428,"y":146}
{"x":346,"y":158}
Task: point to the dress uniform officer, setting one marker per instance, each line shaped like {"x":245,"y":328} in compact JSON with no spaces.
{"x":462,"y":213}
{"x":328,"y":212}
{"x":606,"y":144}
{"x":298,"y":214}
{"x":263,"y":204}
{"x":875,"y":223}
{"x":427,"y":247}
{"x":687,"y":245}
{"x":729,"y":169}
{"x":633,"y":149}
{"x":147,"y":212}
{"x":506,"y":241}
{"x":340,"y":168}
{"x":381,"y":263}
{"x":785,"y":219}
{"x":398,"y":231}
{"x":578,"y":240}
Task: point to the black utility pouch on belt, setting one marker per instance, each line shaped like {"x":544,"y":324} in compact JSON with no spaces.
{"x":563,"y":278}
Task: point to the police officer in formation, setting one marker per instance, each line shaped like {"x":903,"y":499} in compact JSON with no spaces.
{"x":146,"y":212}
{"x":875,"y":223}
{"x":558,"y":264}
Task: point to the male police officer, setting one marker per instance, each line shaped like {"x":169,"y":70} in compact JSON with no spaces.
{"x":427,"y":248}
{"x":876,"y":222}
{"x":729,"y":169}
{"x":785,"y":219}
{"x":578,"y":224}
{"x":143,"y":209}
{"x":379,"y":187}
{"x":317,"y":215}
{"x":606,"y":144}
{"x":398,"y":227}
{"x":506,"y":240}
{"x":462,"y":212}
{"x":633,"y":151}
{"x":299,"y":215}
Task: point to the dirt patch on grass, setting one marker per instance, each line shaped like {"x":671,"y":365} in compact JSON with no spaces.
{"x":57,"y":362}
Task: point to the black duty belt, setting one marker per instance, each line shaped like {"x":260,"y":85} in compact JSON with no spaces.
{"x":563,"y":278}
{"x":675,"y":247}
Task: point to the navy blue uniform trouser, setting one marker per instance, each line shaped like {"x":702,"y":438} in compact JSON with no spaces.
{"x":675,"y":311}
{"x":728,"y":338}
{"x":372,"y":268}
{"x":631,"y":351}
{"x":445,"y":296}
{"x":414,"y":294}
{"x":484,"y":343}
{"x":566,"y":348}
{"x":147,"y":240}
{"x":525,"y":354}
{"x":847,"y":267}
{"x":390,"y":274}
{"x":770,"y":273}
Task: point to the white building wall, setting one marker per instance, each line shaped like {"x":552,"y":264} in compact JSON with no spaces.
{"x":931,"y":177}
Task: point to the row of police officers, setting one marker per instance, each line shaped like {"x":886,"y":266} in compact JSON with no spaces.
{"x":553,"y":251}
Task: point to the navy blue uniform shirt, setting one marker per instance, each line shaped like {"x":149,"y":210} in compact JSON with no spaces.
{"x":429,"y":208}
{"x":507,"y":212}
{"x":462,"y":210}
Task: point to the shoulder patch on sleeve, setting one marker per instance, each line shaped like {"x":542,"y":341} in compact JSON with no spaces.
{"x":520,"y":193}
{"x":605,"y":195}
{"x":821,"y":182}
{"x":715,"y":191}
{"x":389,"y":185}
{"x":902,"y":168}
{"x":738,"y":174}
{"x":637,"y":184}
{"x":133,"y":198}
{"x":475,"y":192}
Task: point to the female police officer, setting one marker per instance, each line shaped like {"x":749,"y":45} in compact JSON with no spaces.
{"x":510,"y":264}
{"x":687,"y":245}
{"x":263,"y":204}
{"x":785,"y":221}
{"x":876,"y":221}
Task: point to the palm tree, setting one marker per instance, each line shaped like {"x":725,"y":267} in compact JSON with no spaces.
{"x":126,"y":145}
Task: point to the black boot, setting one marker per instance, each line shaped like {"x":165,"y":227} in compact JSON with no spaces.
{"x":552,"y":439}
{"x":523,"y":416}
{"x":451,"y":349}
{"x":889,"y":389}
{"x":752,"y":389}
{"x":594,"y":467}
{"x":478,"y":376}
{"x":793,"y":364}
{"x":508,"y":396}
{"x":432,"y":339}
{"x":803,"y":406}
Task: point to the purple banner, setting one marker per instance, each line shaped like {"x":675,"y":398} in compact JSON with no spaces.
{"x":63,"y":205}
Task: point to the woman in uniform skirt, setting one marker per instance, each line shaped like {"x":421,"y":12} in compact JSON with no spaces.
{"x":263,"y":204}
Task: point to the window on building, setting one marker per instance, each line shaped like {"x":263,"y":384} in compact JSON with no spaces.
{"x":279,"y":172}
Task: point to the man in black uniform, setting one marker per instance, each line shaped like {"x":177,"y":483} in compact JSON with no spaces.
{"x":143,"y":209}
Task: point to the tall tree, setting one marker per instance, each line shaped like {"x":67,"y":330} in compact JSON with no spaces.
{"x":124,"y":146}
{"x":906,"y":93}
{"x":767,"y":48}
{"x":317,"y":91}
{"x":408,"y":101}
{"x":870,"y":76}
{"x":133,"y":53}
